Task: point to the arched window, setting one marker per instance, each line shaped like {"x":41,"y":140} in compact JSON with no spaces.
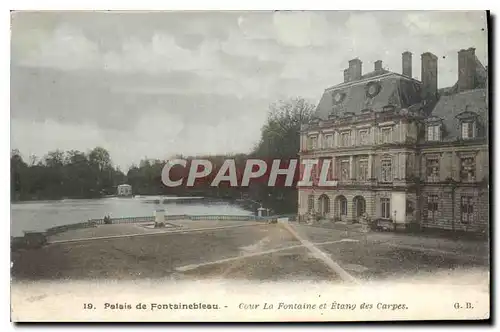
{"x":324,"y":205}
{"x":359,"y":205}
{"x":341,"y":205}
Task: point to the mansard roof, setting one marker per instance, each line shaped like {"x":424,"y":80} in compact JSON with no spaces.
{"x":453,"y":108}
{"x":374,"y":91}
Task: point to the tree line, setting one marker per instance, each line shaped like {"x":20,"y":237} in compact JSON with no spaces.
{"x":64,"y":174}
{"x":77,"y":174}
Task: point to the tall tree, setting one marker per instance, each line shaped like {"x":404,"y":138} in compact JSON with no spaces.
{"x":280,"y":135}
{"x":100,"y":157}
{"x":18,"y":171}
{"x":280,"y":139}
{"x":100,"y":163}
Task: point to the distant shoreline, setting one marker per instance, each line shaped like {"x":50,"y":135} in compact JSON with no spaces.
{"x":105,"y":197}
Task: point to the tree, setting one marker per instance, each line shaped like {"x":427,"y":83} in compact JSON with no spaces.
{"x":280,"y":135}
{"x":102,"y":171}
{"x":54,"y":158}
{"x":78,"y":174}
{"x":280,"y":139}
{"x":100,"y":157}
{"x":64,"y":174}
{"x":18,"y":170}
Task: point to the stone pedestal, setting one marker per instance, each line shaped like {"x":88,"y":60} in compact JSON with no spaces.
{"x":159,"y":218}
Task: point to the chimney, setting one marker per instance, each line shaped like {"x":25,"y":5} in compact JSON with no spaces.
{"x":429,"y":76}
{"x":355,"y":69}
{"x":467,"y":69}
{"x":346,"y":75}
{"x":407,"y":64}
{"x":378,"y":65}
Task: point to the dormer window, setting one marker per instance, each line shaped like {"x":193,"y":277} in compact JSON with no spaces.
{"x":338,"y":97}
{"x":468,"y":124}
{"x":434,"y":132}
{"x":372,"y":89}
{"x":468,"y":131}
{"x":433,"y":129}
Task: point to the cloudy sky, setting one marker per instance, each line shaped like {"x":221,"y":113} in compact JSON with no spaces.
{"x":156,"y":84}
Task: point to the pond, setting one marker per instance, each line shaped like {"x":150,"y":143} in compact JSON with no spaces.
{"x":40,"y":215}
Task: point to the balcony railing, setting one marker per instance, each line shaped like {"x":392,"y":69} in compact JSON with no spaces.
{"x":432,"y":178}
{"x":468,"y":179}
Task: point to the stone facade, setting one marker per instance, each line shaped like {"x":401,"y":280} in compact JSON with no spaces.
{"x":400,"y":152}
{"x":441,"y":196}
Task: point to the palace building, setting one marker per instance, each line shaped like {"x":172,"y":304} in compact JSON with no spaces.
{"x":402,"y":151}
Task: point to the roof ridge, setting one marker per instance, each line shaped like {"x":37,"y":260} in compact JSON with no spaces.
{"x":371,"y":78}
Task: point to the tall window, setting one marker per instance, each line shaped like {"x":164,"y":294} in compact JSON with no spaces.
{"x":386,"y":135}
{"x":433,"y":132}
{"x":386,"y":207}
{"x":409,"y":166}
{"x":432,"y":169}
{"x":343,"y":206}
{"x":363,"y":136}
{"x":432,"y":206}
{"x":314,"y":173}
{"x":345,"y":138}
{"x":467,"y":209}
{"x":363,"y":170}
{"x":467,"y":130}
{"x":324,"y":205}
{"x":328,"y":141}
{"x":344,"y":170}
{"x":467,"y":169}
{"x":386,"y":170}
{"x":310,"y":203}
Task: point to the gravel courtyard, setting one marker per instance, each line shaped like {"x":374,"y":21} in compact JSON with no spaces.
{"x":243,"y":250}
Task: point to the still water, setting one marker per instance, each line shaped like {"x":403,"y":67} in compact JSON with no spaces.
{"x":40,"y":215}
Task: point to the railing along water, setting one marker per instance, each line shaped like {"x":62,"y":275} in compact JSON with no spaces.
{"x":27,"y":238}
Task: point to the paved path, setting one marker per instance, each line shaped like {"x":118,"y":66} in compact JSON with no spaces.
{"x":116,"y":230}
{"x":263,"y":252}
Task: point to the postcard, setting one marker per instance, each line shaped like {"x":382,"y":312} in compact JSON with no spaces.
{"x":249,"y":166}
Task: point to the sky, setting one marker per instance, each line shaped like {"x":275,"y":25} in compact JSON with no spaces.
{"x":156,"y":84}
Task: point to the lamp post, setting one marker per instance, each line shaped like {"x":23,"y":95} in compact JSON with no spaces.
{"x":394,"y":222}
